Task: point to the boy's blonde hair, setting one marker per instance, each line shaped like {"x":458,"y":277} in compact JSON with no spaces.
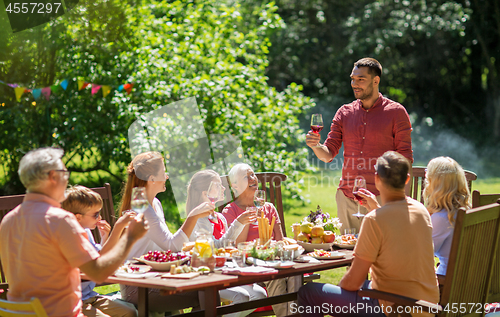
{"x":445,"y":187}
{"x":80,"y":199}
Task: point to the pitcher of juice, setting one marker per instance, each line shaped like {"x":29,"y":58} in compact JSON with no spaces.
{"x":203,"y":251}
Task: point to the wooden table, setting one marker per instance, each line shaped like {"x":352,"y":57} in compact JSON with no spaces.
{"x":213,"y":282}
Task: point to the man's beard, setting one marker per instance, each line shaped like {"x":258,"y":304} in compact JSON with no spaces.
{"x":365,"y":94}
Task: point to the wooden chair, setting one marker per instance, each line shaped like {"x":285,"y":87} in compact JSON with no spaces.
{"x":14,"y":309}
{"x":416,"y":185}
{"x":470,"y":265}
{"x":482,"y":200}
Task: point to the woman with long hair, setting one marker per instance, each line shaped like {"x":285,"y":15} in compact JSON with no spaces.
{"x":445,"y":192}
{"x":148,"y":170}
{"x":217,"y":226}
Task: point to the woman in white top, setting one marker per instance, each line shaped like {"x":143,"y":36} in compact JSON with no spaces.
{"x":445,"y":192}
{"x":197,"y":194}
{"x":148,"y":170}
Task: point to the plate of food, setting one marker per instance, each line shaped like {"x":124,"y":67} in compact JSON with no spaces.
{"x":346,"y":241}
{"x":273,"y":264}
{"x":310,"y":247}
{"x":134,"y":271}
{"x":326,"y":255}
{"x":163,"y":260}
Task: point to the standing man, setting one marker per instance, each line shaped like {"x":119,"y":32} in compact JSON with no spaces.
{"x":368,"y":127}
{"x":44,"y":247}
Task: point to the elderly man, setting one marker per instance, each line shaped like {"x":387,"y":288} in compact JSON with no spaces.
{"x":394,"y":245}
{"x":44,"y":247}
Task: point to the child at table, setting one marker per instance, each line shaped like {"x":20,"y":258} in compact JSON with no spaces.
{"x":197,"y":194}
{"x":86,"y":205}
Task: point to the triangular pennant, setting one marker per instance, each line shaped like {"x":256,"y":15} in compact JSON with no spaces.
{"x":64,"y":84}
{"x":19,"y":92}
{"x":36,"y":93}
{"x":128,"y":87}
{"x":95,"y":88}
{"x":120,"y":88}
{"x":12,"y":85}
{"x":82,"y":84}
{"x":46,"y":92}
{"x":55,"y":89}
{"x":105,"y":90}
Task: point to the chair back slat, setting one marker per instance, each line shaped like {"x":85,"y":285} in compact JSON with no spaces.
{"x":484,"y":199}
{"x":416,"y":185}
{"x":12,"y":309}
{"x":471,"y":260}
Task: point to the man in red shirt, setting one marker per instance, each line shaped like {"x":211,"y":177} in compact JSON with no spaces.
{"x":368,"y":127}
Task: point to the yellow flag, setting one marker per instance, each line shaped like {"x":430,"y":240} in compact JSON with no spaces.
{"x":105,"y":90}
{"x":19,"y":92}
{"x":80,"y":84}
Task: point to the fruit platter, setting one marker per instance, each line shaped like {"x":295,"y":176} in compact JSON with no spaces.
{"x":316,"y":231}
{"x":346,"y":241}
{"x":163,"y":260}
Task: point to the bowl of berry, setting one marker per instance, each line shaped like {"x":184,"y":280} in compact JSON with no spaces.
{"x":163,"y":260}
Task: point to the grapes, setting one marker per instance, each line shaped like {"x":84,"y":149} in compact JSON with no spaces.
{"x":164,"y":256}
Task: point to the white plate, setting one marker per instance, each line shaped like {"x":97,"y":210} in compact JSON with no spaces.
{"x":309,"y":247}
{"x":333,"y":255}
{"x":345,"y":246}
{"x":136,"y":275}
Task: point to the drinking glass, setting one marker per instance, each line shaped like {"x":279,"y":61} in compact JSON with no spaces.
{"x":214,"y":194}
{"x":287,"y":255}
{"x":139,"y":201}
{"x":317,"y":123}
{"x":259,"y":198}
{"x":359,"y":182}
{"x":253,"y":209}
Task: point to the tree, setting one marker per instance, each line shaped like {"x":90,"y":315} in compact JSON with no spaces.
{"x":170,"y":51}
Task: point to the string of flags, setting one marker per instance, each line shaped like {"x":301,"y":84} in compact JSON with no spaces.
{"x":54,"y":89}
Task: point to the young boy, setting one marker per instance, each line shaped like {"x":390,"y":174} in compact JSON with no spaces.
{"x":86,"y":205}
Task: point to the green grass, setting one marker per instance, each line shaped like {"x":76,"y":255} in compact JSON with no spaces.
{"x":320,"y":189}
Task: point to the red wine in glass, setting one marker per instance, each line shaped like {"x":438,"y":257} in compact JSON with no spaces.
{"x":316,"y":123}
{"x":359,"y":182}
{"x":316,"y":128}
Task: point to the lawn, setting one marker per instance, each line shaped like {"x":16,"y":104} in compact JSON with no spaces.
{"x":320,"y":189}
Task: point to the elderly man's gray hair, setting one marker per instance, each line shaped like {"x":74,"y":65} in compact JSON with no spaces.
{"x":36,"y":164}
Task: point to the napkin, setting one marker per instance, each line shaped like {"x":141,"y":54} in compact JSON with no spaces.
{"x":249,"y":270}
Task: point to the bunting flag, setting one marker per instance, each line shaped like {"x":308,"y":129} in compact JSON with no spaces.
{"x":105,"y":90}
{"x":128,"y":88}
{"x":82,"y":84}
{"x":95,"y":88}
{"x":46,"y":92}
{"x":56,"y":89}
{"x":64,"y":84}
{"x":36,"y":93}
{"x":19,"y":92}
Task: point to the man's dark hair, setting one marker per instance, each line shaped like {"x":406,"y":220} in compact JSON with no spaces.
{"x":393,"y":169}
{"x":374,"y":67}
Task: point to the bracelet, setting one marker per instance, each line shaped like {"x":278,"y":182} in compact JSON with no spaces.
{"x":317,"y":145}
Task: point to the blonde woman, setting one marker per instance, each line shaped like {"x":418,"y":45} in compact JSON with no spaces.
{"x":197,"y":195}
{"x":148,"y":170}
{"x":445,"y":192}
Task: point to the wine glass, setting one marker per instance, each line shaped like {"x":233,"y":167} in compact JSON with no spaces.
{"x":139,"y":201}
{"x":317,"y":123}
{"x":259,"y":199}
{"x":214,"y":194}
{"x":359,"y":182}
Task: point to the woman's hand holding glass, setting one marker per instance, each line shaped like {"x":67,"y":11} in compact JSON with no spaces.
{"x":249,"y":216}
{"x":202,"y":210}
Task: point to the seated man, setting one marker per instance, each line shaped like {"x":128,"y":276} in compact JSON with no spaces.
{"x":45,"y":245}
{"x":394,"y":245}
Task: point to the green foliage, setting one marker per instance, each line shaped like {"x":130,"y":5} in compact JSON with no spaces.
{"x":171,"y":51}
